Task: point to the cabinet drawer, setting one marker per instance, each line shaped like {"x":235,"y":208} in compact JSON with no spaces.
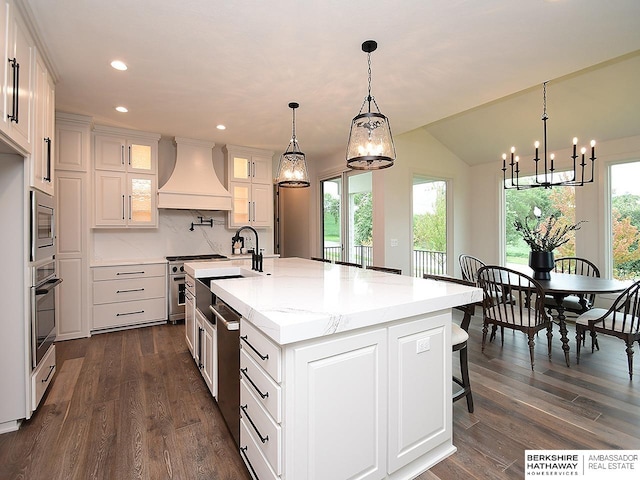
{"x":267,"y":434}
{"x":268,"y":392}
{"x":41,"y":378}
{"x":257,"y":465}
{"x":128,"y":289}
{"x":129,"y":271}
{"x":261,"y":349}
{"x":129,"y":313}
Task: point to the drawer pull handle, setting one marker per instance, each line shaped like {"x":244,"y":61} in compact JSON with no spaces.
{"x":263,"y":357}
{"x":262,"y":439}
{"x":129,"y":273}
{"x":51,"y":367}
{"x":263,"y":395}
{"x":132,"y":290}
{"x":243,"y":451}
{"x":129,"y":313}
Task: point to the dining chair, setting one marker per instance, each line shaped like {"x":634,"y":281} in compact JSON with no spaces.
{"x":317,"y":259}
{"x":522,"y":309}
{"x":395,"y":271}
{"x":459,"y":338}
{"x":469,"y":267}
{"x":577,"y":304}
{"x":621,"y":320}
{"x":348,"y":264}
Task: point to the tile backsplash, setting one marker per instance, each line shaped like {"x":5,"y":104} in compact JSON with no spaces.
{"x":172,"y":237}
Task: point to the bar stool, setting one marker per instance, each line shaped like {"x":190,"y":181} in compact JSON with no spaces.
{"x":459,"y":337}
{"x":459,"y":341}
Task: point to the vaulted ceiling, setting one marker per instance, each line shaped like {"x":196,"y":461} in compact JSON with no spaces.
{"x":468,"y":71}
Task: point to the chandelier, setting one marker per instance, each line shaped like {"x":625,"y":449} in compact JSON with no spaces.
{"x":370,"y":145}
{"x":292,"y":170}
{"x":546,"y":179}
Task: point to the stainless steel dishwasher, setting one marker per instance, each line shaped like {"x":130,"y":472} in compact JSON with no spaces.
{"x":228,"y":329}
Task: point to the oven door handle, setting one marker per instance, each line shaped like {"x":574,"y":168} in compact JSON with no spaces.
{"x":50,"y":285}
{"x":178,"y":279}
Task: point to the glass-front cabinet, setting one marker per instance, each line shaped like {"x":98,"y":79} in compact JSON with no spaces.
{"x":125,"y":178}
{"x":249,"y":180}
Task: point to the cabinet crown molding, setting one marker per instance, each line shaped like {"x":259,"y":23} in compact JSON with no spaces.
{"x":107,"y":130}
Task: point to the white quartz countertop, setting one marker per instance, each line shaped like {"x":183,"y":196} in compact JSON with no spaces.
{"x":296,"y":299}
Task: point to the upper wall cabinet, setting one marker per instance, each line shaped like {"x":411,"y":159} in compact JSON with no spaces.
{"x":17,"y":79}
{"x":42,"y":168}
{"x":125,"y":178}
{"x":251,"y":186}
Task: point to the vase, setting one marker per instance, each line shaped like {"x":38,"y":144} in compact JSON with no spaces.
{"x":541,"y":263}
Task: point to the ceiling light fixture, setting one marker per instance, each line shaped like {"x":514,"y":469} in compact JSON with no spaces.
{"x":370,"y":145}
{"x":546,"y":179}
{"x":119,"y":65}
{"x":221,"y":127}
{"x":292,"y":169}
{"x":122,"y":109}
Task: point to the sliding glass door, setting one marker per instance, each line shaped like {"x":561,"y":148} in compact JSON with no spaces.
{"x":348,"y":218}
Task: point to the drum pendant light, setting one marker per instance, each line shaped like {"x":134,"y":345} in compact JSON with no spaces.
{"x":292,"y":169}
{"x":370,"y":145}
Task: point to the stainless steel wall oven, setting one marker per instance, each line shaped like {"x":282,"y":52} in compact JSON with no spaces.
{"x":42,"y":226}
{"x":43,"y":309}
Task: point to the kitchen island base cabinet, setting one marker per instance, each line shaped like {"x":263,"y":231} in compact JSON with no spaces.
{"x":369,"y":404}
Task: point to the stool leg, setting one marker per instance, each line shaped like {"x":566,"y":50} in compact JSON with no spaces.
{"x":466,"y":384}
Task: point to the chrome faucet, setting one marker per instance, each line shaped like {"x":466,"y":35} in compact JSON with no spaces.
{"x":256,"y":256}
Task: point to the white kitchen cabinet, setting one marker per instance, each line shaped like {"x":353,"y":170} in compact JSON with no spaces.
{"x":205,"y":352}
{"x":42,"y":163}
{"x":73,"y":150}
{"x":190,"y":313}
{"x":125,"y":178}
{"x":249,"y":180}
{"x":125,"y":200}
{"x":339,"y":426}
{"x":17,"y":82}
{"x":366,"y":404}
{"x":126,"y":295}
{"x":42,"y":376}
{"x":420,"y":374}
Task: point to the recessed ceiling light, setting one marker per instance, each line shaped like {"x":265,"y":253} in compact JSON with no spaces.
{"x":122,"y":109}
{"x":221,"y":127}
{"x":119,"y":65}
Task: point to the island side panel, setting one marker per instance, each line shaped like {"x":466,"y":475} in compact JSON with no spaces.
{"x":420,"y":390}
{"x":336,"y":407}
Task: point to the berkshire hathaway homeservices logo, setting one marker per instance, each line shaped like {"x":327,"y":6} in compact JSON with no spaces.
{"x":582,"y":464}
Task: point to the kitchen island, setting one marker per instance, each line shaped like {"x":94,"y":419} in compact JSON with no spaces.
{"x":345,"y":372}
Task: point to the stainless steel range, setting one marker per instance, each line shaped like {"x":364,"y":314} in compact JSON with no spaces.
{"x":176,"y":281}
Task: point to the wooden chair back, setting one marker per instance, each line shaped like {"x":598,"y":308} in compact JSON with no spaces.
{"x":348,"y":264}
{"x":396,"y":271}
{"x":468,"y":309}
{"x":469,"y":267}
{"x":578,"y":266}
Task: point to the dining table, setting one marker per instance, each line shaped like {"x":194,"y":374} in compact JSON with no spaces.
{"x":561,"y":285}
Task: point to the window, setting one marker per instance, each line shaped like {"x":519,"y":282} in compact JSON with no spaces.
{"x":558,"y":201}
{"x":347,"y":228}
{"x":429,"y":226}
{"x":625,"y":219}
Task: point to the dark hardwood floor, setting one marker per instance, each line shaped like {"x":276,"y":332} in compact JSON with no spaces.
{"x":132,"y":404}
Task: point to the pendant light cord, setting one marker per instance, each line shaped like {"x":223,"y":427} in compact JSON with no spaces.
{"x":369,"y":73}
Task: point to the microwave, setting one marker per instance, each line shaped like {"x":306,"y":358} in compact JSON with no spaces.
{"x":42,"y":226}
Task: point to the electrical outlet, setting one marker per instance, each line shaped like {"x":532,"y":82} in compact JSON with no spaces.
{"x":394,"y":242}
{"x":423,"y":345}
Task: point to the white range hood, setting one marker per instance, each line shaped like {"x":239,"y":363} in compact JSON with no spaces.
{"x":194,"y":185}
